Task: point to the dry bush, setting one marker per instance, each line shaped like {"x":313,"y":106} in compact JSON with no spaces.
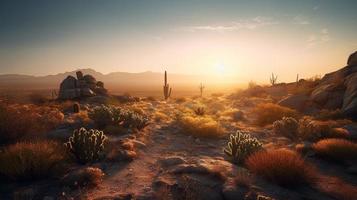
{"x":313,"y":130}
{"x":160,"y":117}
{"x":200,"y":126}
{"x":235,"y":114}
{"x":283,"y":167}
{"x":85,"y":177}
{"x":336,"y":149}
{"x":337,"y":188}
{"x":38,"y":99}
{"x":267,"y":113}
{"x":18,"y":121}
{"x":27,"y":161}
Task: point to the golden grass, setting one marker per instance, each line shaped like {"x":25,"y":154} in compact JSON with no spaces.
{"x":31,"y":160}
{"x":18,"y":121}
{"x":336,"y":149}
{"x":201,"y":126}
{"x":86,"y":177}
{"x":283,"y":167}
{"x":267,"y":113}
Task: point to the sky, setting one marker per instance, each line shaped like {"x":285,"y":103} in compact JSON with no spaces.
{"x":227,"y":39}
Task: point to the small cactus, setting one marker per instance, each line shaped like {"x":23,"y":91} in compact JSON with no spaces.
{"x":167,"y":88}
{"x":86,"y":146}
{"x":273,"y":79}
{"x":76,"y":107}
{"x":287,"y":127}
{"x":240,"y":146}
{"x":200,"y":111}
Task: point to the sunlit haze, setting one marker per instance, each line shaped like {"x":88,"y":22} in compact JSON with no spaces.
{"x":230,"y":40}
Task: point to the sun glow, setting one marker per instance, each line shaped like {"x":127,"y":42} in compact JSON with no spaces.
{"x":219,"y":69}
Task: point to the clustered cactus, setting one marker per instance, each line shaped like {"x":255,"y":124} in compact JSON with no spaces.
{"x":110,"y":115}
{"x":287,"y":127}
{"x":167,"y":88}
{"x":240,"y":146}
{"x":86,"y":146}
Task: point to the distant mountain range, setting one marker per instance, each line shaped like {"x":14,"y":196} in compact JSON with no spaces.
{"x":115,"y":81}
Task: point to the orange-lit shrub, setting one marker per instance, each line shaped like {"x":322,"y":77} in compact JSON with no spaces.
{"x":336,"y":149}
{"x":267,"y":113}
{"x":201,"y":126}
{"x":31,"y":160}
{"x":283,"y":167}
{"x":18,"y":121}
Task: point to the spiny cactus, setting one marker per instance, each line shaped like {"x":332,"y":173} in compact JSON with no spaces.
{"x":76,"y":107}
{"x":240,"y":146}
{"x":287,"y":127}
{"x":167,"y":88}
{"x":200,"y":111}
{"x":273,"y":79}
{"x":86,"y":146}
{"x":201,"y":89}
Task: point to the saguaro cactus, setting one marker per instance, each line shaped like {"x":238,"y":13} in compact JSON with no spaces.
{"x":167,"y":88}
{"x":273,"y":79}
{"x":201,"y":89}
{"x":297,"y":79}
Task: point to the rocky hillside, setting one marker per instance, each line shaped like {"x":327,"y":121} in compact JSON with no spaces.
{"x":336,"y":90}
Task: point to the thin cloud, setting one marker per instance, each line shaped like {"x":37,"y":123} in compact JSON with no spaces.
{"x":249,"y":24}
{"x":301,"y":20}
{"x":322,"y":37}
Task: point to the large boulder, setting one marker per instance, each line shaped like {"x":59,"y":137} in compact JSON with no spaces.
{"x":68,"y":88}
{"x":297,"y":102}
{"x":83,"y":86}
{"x":349,"y":106}
{"x":352,"y":59}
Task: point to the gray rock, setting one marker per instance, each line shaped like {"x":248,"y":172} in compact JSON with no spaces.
{"x":171,"y":161}
{"x":352,"y":59}
{"x":297,"y":102}
{"x":349,"y":106}
{"x":86,"y":92}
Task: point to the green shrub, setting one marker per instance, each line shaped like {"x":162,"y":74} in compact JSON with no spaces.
{"x":240,"y":146}
{"x":287,"y":127}
{"x":105,"y":115}
{"x":109,"y":115}
{"x":28,"y":161}
{"x":86,"y":146}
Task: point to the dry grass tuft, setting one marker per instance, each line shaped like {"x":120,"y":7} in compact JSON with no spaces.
{"x":201,"y":126}
{"x":283,"y":167}
{"x":267,"y":113}
{"x":27,"y":161}
{"x":18,"y":121}
{"x":336,"y":149}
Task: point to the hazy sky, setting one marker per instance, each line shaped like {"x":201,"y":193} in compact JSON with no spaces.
{"x":244,"y":39}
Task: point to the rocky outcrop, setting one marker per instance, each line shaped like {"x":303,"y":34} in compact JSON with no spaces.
{"x":338,"y":90}
{"x":352,"y":59}
{"x":83,"y":86}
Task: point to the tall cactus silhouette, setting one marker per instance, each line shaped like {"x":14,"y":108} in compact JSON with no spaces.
{"x":167,"y":88}
{"x":86,"y":146}
{"x":273,"y":79}
{"x":201,"y":89}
